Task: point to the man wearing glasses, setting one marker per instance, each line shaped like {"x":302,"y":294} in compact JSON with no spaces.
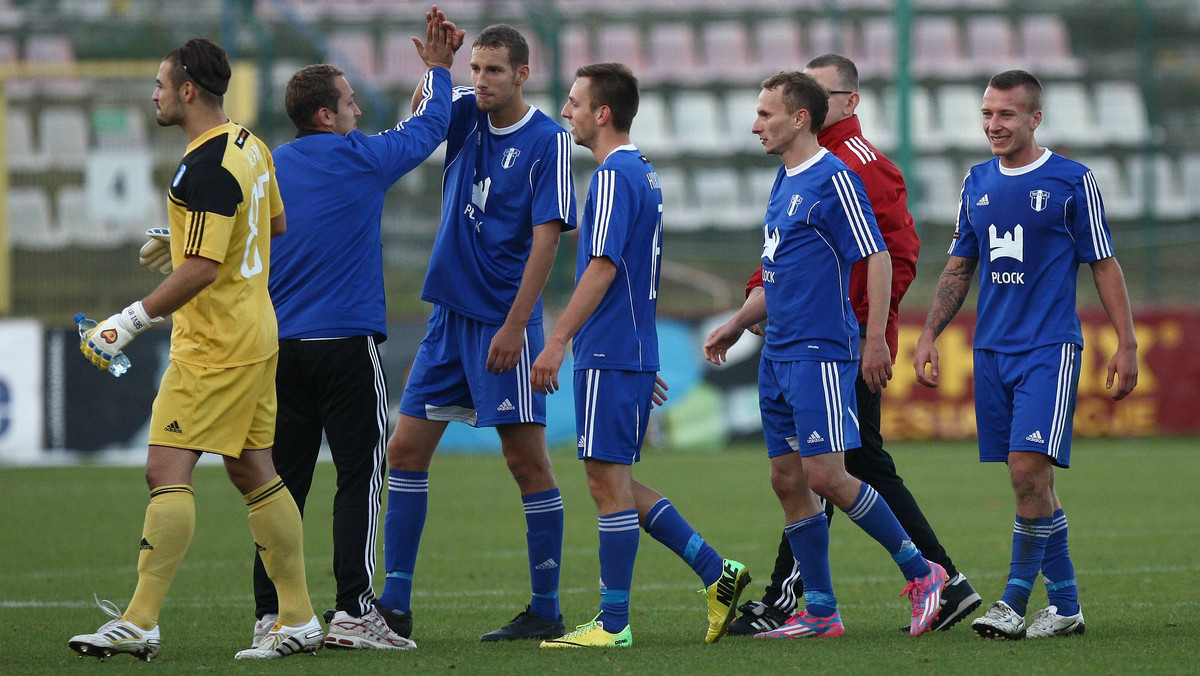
{"x":841,"y":134}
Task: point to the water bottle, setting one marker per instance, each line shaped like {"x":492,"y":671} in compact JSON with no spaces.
{"x":119,"y":364}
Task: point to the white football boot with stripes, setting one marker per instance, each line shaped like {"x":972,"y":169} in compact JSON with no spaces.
{"x":118,"y":635}
{"x":282,"y":641}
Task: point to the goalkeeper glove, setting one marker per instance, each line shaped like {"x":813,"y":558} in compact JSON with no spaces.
{"x":111,"y":336}
{"x":156,"y":252}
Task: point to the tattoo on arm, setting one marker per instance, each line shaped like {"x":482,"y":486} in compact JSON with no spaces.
{"x":952,"y":289}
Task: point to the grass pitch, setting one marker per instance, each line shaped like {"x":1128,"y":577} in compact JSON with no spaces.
{"x":1134,"y":530}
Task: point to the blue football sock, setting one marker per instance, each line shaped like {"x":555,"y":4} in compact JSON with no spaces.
{"x":664,"y":523}
{"x":872,"y":514}
{"x":408,"y":503}
{"x":1057,"y":568}
{"x":543,"y":538}
{"x":809,"y":539}
{"x":1028,"y":551}
{"x":619,"y":535}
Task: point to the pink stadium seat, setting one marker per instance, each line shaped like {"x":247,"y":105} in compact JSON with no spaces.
{"x":574,"y":45}
{"x":671,"y":55}
{"x":55,"y":50}
{"x":621,"y":42}
{"x":1046,"y":46}
{"x":353,"y":51}
{"x":777,"y":45}
{"x":937,"y":48}
{"x":991,"y":44}
{"x":726,"y":55}
{"x":878,"y":56}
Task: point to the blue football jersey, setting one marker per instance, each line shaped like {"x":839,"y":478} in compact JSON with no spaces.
{"x":1030,"y":228}
{"x":498,"y":184}
{"x":622,"y":221}
{"x":818,"y":223}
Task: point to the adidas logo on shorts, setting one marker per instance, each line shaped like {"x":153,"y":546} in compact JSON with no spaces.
{"x":506,"y":405}
{"x":815,"y":438}
{"x":173,"y":427}
{"x":1036,"y":437}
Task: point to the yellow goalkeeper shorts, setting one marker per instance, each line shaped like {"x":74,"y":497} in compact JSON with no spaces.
{"x":216,"y":410}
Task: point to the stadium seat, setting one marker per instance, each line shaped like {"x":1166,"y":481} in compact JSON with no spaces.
{"x":878,"y":55}
{"x":1121,"y":201}
{"x":696,"y":123}
{"x":63,"y":135}
{"x":1046,"y":46}
{"x":923,"y":131}
{"x":29,"y":223}
{"x":829,"y":36}
{"x":76,"y":225}
{"x":1189,"y":175}
{"x":740,"y":110}
{"x":1124,"y":119}
{"x":776,"y":45}
{"x":726,"y":53}
{"x":401,"y":65}
{"x":651,"y":130}
{"x":22,"y":152}
{"x":671,"y":56}
{"x":938,"y":186}
{"x":937,"y":48}
{"x":759,"y":181}
{"x":55,"y":50}
{"x":876,"y":120}
{"x":960,"y":124}
{"x":991,"y":44}
{"x":575,"y":49}
{"x":10,"y":17}
{"x":718,"y":197}
{"x":620,"y":42}
{"x":678,"y":211}
{"x":1170,"y":202}
{"x":1067,"y":119}
{"x":354,"y":52}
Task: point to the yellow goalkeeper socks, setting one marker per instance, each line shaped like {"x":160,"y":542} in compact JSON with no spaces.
{"x":279,"y":536}
{"x":166,"y":534}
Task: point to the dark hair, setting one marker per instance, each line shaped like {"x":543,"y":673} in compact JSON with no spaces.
{"x":1011,"y":79}
{"x":801,"y":91}
{"x":204,"y":62}
{"x":310,"y":89}
{"x":503,"y":35}
{"x":612,"y":85}
{"x":847,"y":72}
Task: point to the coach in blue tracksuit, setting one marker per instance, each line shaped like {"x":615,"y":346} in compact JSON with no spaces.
{"x":327,"y":287}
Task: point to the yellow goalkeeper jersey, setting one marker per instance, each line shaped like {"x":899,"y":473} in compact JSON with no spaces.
{"x":220,"y":204}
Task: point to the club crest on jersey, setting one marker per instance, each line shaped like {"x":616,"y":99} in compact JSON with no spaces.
{"x":770,"y":243}
{"x":509,"y":157}
{"x":241,"y":138}
{"x":1011,"y":245}
{"x":794,"y":204}
{"x":1039,"y":199}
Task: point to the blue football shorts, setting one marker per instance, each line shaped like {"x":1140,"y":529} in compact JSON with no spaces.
{"x":612,"y":410}
{"x":808,"y":406}
{"x":1026,"y":402}
{"x":449,"y":379}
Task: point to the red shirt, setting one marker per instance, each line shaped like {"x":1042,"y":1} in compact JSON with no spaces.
{"x":889,"y":200}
